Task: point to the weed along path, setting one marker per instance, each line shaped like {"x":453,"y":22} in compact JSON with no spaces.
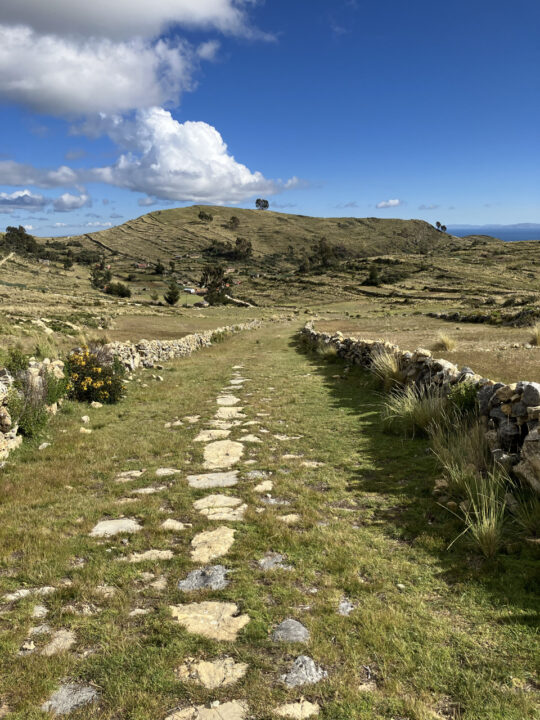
{"x":241,"y":541}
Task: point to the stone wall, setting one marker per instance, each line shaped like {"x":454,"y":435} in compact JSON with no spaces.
{"x":145,"y":354}
{"x":511,"y":413}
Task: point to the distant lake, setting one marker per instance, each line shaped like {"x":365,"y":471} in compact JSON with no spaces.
{"x":508,"y":234}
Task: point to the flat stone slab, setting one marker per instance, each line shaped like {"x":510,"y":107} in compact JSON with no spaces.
{"x":304,"y":671}
{"x":239,"y":381}
{"x":108,"y":528}
{"x":212,"y":675}
{"x":250,"y":439}
{"x":214,"y":620}
{"x":150,"y":555}
{"x":174,"y":525}
{"x":208,"y":578}
{"x":70,"y":697}
{"x":128,"y":475}
{"x":346,"y":607}
{"x":311,"y":464}
{"x":288,"y":437}
{"x":167,"y":472}
{"x":149,"y":490}
{"x":234,"y":710}
{"x":264,"y":487}
{"x":222,"y":454}
{"x":192,"y":419}
{"x":291,"y":456}
{"x":221,"y":507}
{"x":273,"y":561}
{"x":298,"y":711}
{"x":61,"y":641}
{"x":257,"y":475}
{"x":224,"y":424}
{"x":269,"y":500}
{"x":209,"y":435}
{"x":212,"y":544}
{"x":230,"y":413}
{"x":227,"y":400}
{"x":213,"y":480}
{"x":291,"y":519}
{"x":290,"y":631}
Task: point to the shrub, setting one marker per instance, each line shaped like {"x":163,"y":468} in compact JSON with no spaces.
{"x":444,"y":342}
{"x":387,"y":370}
{"x":412,"y":410}
{"x":463,"y":396}
{"x":118,"y":289}
{"x":534,"y":339}
{"x":172,"y":295}
{"x":17,"y":361}
{"x":26,"y":406}
{"x":90,"y":378}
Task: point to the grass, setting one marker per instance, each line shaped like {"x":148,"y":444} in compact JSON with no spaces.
{"x":445,"y":342}
{"x":485,"y":511}
{"x":387,"y":370}
{"x":526,"y":513}
{"x":461,"y":447}
{"x":412,"y":410}
{"x":455,"y":636}
{"x":534,"y":338}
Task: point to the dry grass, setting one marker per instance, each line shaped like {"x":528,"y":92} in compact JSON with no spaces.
{"x":387,"y":370}
{"x":484,"y":511}
{"x":534,"y":338}
{"x":412,"y":411}
{"x":461,"y":448}
{"x":445,"y":342}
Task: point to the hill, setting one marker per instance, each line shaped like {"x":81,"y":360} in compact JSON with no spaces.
{"x":166,"y":234}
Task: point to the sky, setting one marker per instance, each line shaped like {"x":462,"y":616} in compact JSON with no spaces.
{"x":423,"y":109}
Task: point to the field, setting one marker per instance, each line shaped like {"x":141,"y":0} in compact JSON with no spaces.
{"x":404,"y":615}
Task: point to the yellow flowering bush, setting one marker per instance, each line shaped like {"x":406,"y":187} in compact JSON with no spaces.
{"x":89,"y":378}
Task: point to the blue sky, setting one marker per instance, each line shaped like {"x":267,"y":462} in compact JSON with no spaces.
{"x":349,"y":107}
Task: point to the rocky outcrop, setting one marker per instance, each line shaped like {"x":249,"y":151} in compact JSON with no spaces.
{"x":511,"y":412}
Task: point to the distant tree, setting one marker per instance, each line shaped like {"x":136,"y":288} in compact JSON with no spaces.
{"x":118,"y":289}
{"x":205,"y":216}
{"x":242,"y":250}
{"x":443,"y":228}
{"x":18,"y":240}
{"x":172,"y":265}
{"x":234,"y":223}
{"x":154,"y":296}
{"x":262,"y":204}
{"x":213,"y":279}
{"x":68,"y":263}
{"x":438,"y":225}
{"x":160,"y":268}
{"x":99,"y":276}
{"x":374,"y":276}
{"x":173,"y":293}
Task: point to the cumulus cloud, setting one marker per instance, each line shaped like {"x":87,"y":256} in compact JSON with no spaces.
{"x":123,"y":19}
{"x":395,"y":202}
{"x":21,"y":200}
{"x":99,"y":224}
{"x":14,"y":173}
{"x":68,"y":202}
{"x":179,"y":161}
{"x":70,"y":76}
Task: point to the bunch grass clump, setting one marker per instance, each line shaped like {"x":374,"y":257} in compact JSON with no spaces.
{"x":413,"y":410}
{"x":444,"y":342}
{"x":485,"y":510}
{"x":461,"y":447}
{"x":90,"y":378}
{"x":386,"y":368}
{"x":534,"y":338}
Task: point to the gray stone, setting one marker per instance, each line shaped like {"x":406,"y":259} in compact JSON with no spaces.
{"x":531,"y":394}
{"x":290,"y":631}
{"x":106,"y":528}
{"x":273,"y":561}
{"x":304,"y":671}
{"x":70,"y":697}
{"x":257,"y":475}
{"x":208,"y":578}
{"x":268,"y":500}
{"x":213,"y":480}
{"x":346,"y":607}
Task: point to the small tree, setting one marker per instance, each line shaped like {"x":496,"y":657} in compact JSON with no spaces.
{"x":213,"y":279}
{"x":443,"y":228}
{"x":172,"y":265}
{"x":173,"y":293}
{"x":262,"y":204}
{"x":205,"y":216}
{"x":234,"y":223}
{"x":438,"y":225}
{"x":160,"y":268}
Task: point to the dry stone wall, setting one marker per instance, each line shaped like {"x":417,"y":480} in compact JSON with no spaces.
{"x":511,"y":412}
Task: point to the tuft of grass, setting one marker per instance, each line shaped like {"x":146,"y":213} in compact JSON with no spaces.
{"x":534,"y":337}
{"x":484,"y":511}
{"x":461,"y":448}
{"x":526,"y":512}
{"x":444,"y":342}
{"x":387,"y":370}
{"x":326,"y":350}
{"x":413,"y":410}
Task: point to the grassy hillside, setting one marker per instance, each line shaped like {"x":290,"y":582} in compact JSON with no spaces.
{"x":167,"y":233}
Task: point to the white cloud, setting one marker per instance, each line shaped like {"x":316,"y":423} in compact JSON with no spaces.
{"x":390,"y":203}
{"x":14,"y":173}
{"x":70,"y":76}
{"x":428,"y":207}
{"x":122,"y":19}
{"x":208,"y":50}
{"x":179,"y":161}
{"x":68,"y":202}
{"x":57,"y":225}
{"x":99,"y":224}
{"x":21,"y":200}
{"x":28,"y":227}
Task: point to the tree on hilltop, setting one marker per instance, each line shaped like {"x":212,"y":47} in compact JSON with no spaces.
{"x":262,"y":204}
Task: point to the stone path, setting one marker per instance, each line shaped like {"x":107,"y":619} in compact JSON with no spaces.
{"x":211,"y":618}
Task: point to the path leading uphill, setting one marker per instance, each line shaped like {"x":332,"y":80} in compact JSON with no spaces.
{"x":242,"y":542}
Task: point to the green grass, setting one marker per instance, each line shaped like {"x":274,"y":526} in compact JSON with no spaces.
{"x":457,"y":631}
